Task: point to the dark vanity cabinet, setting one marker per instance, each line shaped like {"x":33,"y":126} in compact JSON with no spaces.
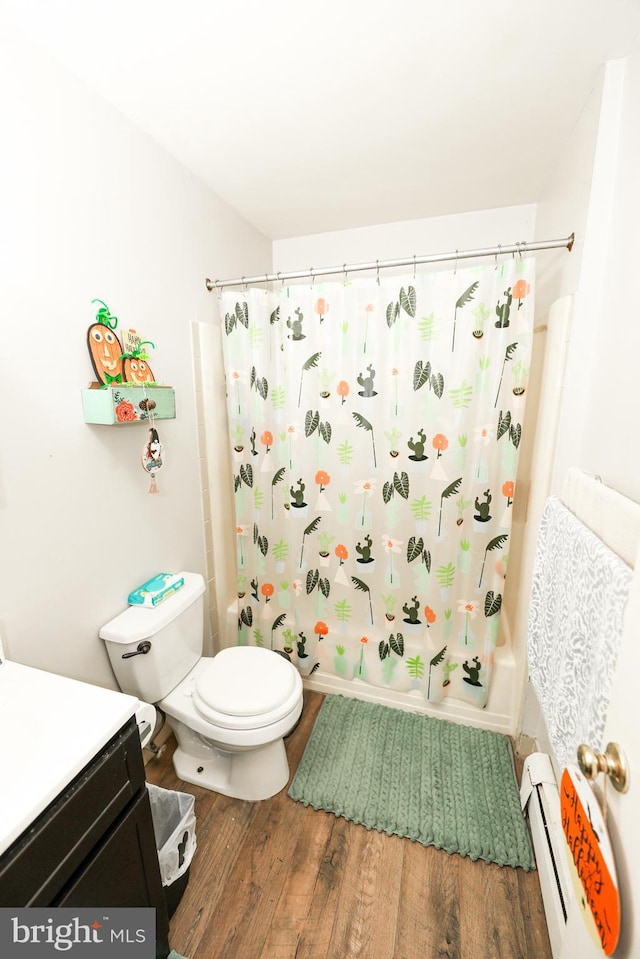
{"x":94,"y":845}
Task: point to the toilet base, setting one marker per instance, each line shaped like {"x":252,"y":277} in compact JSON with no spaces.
{"x":253,"y":774}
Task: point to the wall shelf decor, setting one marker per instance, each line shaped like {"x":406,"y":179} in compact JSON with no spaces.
{"x":117,"y":405}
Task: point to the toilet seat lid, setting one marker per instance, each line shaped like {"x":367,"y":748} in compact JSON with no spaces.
{"x":244,"y":682}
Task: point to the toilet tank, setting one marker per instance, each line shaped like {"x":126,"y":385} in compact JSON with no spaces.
{"x":152,"y":649}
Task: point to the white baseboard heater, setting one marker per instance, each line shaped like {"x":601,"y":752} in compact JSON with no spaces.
{"x":540,"y":800}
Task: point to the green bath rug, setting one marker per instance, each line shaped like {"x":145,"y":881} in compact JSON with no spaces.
{"x":433,"y":781}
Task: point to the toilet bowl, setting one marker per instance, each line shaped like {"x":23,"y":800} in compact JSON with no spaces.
{"x":230,"y":712}
{"x":230,"y":715}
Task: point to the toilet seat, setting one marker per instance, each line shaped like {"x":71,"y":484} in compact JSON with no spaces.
{"x":246,"y":687}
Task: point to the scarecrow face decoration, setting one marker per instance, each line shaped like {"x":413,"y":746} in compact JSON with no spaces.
{"x":104,"y":347}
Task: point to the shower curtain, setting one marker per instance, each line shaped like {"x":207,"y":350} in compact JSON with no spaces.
{"x":374,"y":427}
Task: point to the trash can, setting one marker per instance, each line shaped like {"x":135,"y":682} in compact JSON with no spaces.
{"x":174,"y":826}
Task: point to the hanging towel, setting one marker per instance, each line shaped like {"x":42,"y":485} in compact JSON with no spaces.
{"x":578,"y":600}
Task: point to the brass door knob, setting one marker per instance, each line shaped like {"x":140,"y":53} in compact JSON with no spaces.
{"x":613,"y":763}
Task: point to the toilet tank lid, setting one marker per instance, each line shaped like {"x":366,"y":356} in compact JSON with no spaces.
{"x":140,"y":622}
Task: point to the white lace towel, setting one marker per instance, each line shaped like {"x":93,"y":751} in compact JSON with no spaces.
{"x":578,"y":599}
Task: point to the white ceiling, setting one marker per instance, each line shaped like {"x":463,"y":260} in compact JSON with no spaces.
{"x":310,"y":117}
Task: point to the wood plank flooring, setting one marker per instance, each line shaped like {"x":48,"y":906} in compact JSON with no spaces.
{"x":278,"y":880}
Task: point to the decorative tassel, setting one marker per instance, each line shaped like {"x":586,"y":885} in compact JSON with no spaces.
{"x":153,"y":488}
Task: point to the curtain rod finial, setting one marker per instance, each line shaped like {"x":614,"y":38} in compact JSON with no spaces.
{"x":209,"y":285}
{"x":571,"y":242}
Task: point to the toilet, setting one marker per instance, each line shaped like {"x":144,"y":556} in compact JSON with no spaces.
{"x":230,"y":712}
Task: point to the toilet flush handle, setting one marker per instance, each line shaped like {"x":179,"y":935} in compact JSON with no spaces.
{"x":140,"y":650}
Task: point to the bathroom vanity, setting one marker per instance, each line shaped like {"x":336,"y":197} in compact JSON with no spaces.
{"x":75,"y":819}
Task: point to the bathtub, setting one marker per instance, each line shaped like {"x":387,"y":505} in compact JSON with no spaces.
{"x":498,"y":715}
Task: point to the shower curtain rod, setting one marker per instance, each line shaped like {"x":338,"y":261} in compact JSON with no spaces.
{"x":520,"y":248}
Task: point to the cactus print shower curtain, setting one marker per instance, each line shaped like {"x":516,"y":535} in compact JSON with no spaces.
{"x":375,"y":426}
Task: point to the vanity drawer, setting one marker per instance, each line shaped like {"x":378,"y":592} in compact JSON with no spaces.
{"x":36,"y":867}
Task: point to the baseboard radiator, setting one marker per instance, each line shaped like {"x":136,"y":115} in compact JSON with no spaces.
{"x":541,"y":802}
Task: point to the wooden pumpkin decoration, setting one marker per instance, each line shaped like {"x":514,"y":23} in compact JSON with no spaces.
{"x":104,"y":346}
{"x":137,"y":370}
{"x":135,"y":365}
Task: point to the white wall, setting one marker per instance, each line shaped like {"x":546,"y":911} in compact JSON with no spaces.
{"x":90,"y":207}
{"x":599,"y":422}
{"x":390,"y":241}
{"x":563,"y":206}
{"x":598,"y":413}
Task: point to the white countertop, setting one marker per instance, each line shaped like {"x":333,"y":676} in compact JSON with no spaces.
{"x":50,"y":728}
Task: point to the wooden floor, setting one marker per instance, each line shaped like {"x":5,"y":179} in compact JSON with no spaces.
{"x":278,"y":880}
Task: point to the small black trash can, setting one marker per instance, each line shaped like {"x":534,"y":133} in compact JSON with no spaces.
{"x":174,"y":826}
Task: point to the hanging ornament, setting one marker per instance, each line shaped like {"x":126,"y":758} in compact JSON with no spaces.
{"x":153,"y":458}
